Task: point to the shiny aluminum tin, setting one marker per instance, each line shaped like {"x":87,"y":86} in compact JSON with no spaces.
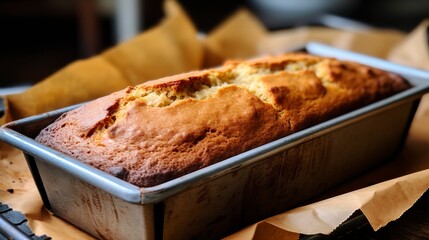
{"x":224,"y":197}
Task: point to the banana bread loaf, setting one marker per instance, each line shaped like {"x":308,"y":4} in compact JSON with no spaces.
{"x":163,"y":129}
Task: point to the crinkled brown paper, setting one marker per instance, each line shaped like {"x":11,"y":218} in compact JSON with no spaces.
{"x":173,"y":47}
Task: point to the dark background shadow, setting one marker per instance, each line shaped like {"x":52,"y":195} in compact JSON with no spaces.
{"x":40,"y":36}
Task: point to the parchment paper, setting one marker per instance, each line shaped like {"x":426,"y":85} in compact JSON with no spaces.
{"x":173,"y":47}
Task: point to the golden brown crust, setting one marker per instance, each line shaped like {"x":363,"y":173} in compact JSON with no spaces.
{"x":163,"y":129}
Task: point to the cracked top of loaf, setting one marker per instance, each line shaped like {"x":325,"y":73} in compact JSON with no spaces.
{"x":163,"y":129}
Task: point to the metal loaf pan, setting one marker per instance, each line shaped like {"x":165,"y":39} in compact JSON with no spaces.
{"x":220,"y":199}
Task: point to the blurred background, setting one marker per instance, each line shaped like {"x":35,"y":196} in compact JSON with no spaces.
{"x":41,"y":36}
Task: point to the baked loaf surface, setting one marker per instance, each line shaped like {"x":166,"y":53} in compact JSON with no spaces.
{"x":166,"y":128}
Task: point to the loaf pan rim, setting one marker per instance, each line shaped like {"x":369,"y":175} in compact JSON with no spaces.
{"x":134,"y":194}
